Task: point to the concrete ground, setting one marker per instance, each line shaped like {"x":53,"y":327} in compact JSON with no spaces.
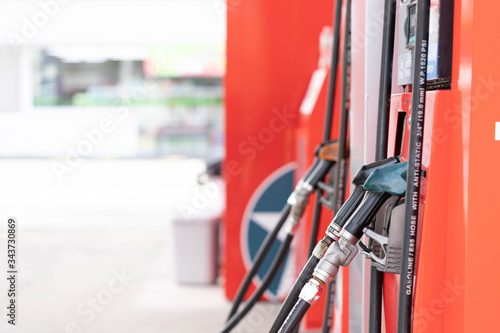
{"x":95,"y":250}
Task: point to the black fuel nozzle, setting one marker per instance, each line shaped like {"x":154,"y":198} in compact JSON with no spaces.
{"x":386,"y":255}
{"x":326,"y":155}
{"x":380,"y":186}
{"x":318,"y":172}
{"x":369,"y":206}
{"x":357,"y":193}
{"x":325,"y":158}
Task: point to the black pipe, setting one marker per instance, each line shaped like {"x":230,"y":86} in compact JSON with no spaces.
{"x":327,"y":129}
{"x":405,"y":304}
{"x":385,"y":89}
{"x":293,"y":320}
{"x":259,"y":259}
{"x":340,"y":172}
{"x":384,"y":106}
{"x":333,"y":71}
{"x":326,"y":325}
{"x":375,"y":314}
{"x":275,"y":266}
{"x":293,"y":295}
{"x":315,"y":221}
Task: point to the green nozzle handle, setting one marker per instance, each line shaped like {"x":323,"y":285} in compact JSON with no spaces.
{"x":390,"y":179}
{"x":357,"y":192}
{"x":366,"y":170}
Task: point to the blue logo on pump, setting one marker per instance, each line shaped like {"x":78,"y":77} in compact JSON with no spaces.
{"x":261,"y":216}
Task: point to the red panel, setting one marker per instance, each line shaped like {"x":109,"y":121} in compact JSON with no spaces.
{"x":433,"y":297}
{"x":432,"y":284}
{"x":272,"y":49}
{"x":481,"y":258}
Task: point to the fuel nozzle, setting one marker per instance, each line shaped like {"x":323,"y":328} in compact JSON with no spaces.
{"x":356,"y":196}
{"x":326,"y":156}
{"x":387,"y":257}
{"x":380,"y":185}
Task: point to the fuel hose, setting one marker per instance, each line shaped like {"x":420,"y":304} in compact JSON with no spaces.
{"x":268,"y":278}
{"x":298,"y":312}
{"x":259,"y":259}
{"x":405,"y":304}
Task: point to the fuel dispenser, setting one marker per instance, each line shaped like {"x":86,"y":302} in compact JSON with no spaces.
{"x":428,"y":241}
{"x":409,"y":128}
{"x":394,"y":250}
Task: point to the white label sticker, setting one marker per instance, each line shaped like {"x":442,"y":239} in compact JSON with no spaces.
{"x":497,"y":131}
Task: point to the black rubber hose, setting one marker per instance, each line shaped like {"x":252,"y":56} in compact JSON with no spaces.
{"x":333,"y":70}
{"x":327,"y":129}
{"x":375,"y":314}
{"x":315,"y":221}
{"x":340,"y":175}
{"x":326,"y":326}
{"x":270,"y":275}
{"x":293,"y":295}
{"x":259,"y":259}
{"x":384,"y":99}
{"x":384,"y":105}
{"x":293,"y":320}
{"x":405,"y":304}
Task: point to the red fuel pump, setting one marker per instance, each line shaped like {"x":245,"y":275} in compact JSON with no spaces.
{"x":455,"y":284}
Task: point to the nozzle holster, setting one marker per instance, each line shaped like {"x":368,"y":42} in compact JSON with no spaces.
{"x":387,"y":239}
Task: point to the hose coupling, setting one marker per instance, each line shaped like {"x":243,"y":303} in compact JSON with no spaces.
{"x":321,"y":247}
{"x":334,"y":230}
{"x":311,"y":291}
{"x":338,"y":254}
{"x":299,"y":200}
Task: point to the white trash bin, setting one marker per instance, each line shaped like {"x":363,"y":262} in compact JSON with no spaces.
{"x":196,"y":246}
{"x":196,"y":232}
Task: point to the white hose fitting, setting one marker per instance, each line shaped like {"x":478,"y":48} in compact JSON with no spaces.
{"x":311,"y":291}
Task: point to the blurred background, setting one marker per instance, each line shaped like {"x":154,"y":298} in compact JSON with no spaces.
{"x":65,"y":63}
{"x":109,"y":112}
